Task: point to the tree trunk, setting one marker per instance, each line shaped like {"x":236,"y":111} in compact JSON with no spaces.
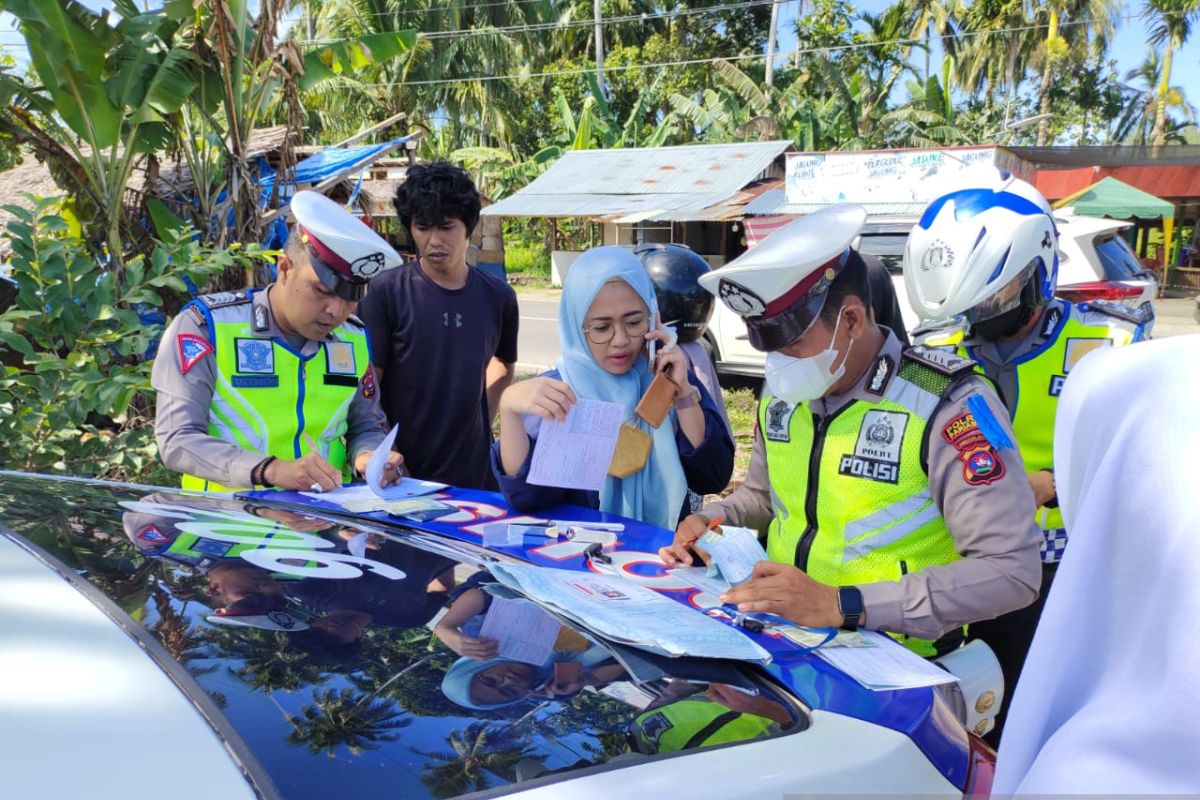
{"x":1047,"y":80}
{"x":770,"y":78}
{"x":1159,"y":135}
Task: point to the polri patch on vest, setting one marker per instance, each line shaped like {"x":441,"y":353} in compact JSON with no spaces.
{"x":255,"y":356}
{"x":1078,"y":348}
{"x":876,"y":455}
{"x":339,"y":359}
{"x":779,"y":421}
{"x":879,"y":378}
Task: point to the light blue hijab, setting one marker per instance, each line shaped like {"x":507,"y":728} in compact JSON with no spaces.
{"x":656,"y":493}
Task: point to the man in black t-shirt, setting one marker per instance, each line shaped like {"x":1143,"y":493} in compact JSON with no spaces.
{"x":444,"y":335}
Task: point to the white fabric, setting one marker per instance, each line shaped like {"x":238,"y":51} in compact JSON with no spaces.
{"x":1107,"y":703}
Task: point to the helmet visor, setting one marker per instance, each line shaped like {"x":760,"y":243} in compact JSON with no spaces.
{"x":1008,"y":298}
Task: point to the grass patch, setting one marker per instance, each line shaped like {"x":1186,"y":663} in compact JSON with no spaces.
{"x":742,"y":405}
{"x":530,"y":260}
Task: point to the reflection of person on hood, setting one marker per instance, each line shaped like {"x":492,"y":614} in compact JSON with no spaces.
{"x":489,"y":684}
{"x":158,"y":535}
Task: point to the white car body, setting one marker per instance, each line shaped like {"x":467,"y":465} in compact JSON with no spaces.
{"x":1090,"y":249}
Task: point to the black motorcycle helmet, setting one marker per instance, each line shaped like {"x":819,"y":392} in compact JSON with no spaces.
{"x":675,"y":271}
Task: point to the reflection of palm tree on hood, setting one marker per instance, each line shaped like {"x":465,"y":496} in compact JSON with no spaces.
{"x":457,"y":683}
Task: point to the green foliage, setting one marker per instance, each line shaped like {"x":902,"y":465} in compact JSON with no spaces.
{"x":527,"y":259}
{"x":75,"y":396}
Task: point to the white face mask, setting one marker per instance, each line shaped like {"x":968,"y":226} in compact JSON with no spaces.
{"x":798,"y":379}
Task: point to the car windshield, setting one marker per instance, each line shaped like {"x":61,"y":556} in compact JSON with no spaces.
{"x":328,"y":662}
{"x":1116,"y":258}
{"x":887,"y":247}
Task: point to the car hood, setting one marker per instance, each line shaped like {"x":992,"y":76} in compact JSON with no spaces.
{"x":335,"y":680}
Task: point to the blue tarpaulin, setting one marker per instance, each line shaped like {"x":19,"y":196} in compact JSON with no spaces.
{"x":328,"y":163}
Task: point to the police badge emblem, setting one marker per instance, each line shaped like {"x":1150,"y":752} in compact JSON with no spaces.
{"x":741,"y":300}
{"x":255,"y":356}
{"x":367,"y":266}
{"x":779,"y":418}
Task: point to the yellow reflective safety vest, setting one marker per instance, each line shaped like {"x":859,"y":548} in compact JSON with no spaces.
{"x":851,"y":490}
{"x":1070,"y":331}
{"x":268,"y":396}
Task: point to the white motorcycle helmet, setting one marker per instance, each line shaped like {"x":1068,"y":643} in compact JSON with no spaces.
{"x":985,"y":254}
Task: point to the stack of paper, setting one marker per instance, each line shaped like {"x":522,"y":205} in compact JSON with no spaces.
{"x":888,"y":665}
{"x":624,"y":612}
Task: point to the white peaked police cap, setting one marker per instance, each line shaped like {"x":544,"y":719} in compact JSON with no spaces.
{"x":344,"y":252}
{"x":779,"y":287}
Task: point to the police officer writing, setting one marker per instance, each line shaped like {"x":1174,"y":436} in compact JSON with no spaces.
{"x":985,"y":257}
{"x":885,"y":477}
{"x":274,"y":387}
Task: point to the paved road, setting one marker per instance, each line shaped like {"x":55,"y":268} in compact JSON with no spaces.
{"x":1174,"y":317}
{"x":537,"y":344}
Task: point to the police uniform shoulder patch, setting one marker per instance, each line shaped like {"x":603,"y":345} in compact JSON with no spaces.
{"x":779,"y":421}
{"x":223,"y":299}
{"x":943,"y":361}
{"x":1115,"y":310}
{"x":192,"y":349}
{"x":981,"y":464}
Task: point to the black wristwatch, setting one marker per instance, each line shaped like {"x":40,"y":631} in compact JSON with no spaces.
{"x":850,"y":603}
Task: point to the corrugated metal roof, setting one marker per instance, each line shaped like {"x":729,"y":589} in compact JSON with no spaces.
{"x":775,"y":202}
{"x":660,"y":183}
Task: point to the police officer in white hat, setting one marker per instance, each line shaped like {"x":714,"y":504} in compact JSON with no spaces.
{"x":885,"y":478}
{"x":275,"y":387}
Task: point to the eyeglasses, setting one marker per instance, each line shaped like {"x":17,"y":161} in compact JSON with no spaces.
{"x":603,"y":332}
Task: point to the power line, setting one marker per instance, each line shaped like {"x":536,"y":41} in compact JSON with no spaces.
{"x":544,"y":26}
{"x":696,"y":61}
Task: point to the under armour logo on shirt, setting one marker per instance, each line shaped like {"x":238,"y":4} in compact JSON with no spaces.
{"x":446,"y":319}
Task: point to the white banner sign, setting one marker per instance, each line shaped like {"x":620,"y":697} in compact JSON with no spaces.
{"x":884,"y":176}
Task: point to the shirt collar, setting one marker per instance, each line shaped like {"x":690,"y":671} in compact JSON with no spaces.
{"x":1049,"y":321}
{"x":873,"y":383}
{"x":263,"y":324}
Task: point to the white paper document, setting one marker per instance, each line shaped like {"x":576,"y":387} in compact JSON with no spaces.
{"x":714,"y":585}
{"x":888,"y":665}
{"x":734,"y":552}
{"x":407,"y":487}
{"x":627,"y":613}
{"x":523,"y":631}
{"x":359,"y":498}
{"x":575,"y":453}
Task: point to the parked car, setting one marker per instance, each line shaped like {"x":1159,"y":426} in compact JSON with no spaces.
{"x":1095,"y":263}
{"x":158,"y":644}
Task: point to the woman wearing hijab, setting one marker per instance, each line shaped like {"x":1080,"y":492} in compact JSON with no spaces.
{"x":1106,"y":703}
{"x":489,"y":684}
{"x":607,"y":315}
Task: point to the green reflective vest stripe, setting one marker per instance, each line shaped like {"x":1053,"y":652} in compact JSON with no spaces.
{"x":267,"y":396}
{"x":851,"y":493}
{"x":1040,"y":376}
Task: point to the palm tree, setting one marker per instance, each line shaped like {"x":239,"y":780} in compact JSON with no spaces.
{"x":343,"y":719}
{"x":476,"y":751}
{"x":1137,"y":121}
{"x":1091,"y":25}
{"x":1172,"y":25}
{"x":926,"y":120}
{"x":927,"y":18}
{"x":994,"y":49}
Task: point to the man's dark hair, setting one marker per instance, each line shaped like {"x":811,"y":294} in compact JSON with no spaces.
{"x":436,"y":192}
{"x":852,"y":281}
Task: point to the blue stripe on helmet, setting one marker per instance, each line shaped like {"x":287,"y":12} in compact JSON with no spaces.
{"x":1000,"y":265}
{"x":969,"y":202}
